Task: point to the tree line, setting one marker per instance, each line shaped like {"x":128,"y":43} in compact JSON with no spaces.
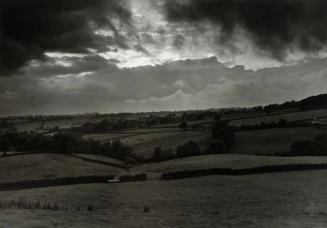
{"x":64,"y":143}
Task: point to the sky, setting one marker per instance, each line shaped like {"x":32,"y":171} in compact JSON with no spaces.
{"x":76,"y":56}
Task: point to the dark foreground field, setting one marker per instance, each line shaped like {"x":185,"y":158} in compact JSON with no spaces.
{"x":294,"y":199}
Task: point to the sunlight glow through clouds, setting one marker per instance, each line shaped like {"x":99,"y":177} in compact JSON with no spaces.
{"x":154,"y":41}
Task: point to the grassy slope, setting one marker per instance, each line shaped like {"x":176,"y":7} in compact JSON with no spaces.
{"x":145,"y":148}
{"x":234,"y":161}
{"x":45,"y":166}
{"x":106,"y":136}
{"x":97,"y":157}
{"x":143,"y":141}
{"x":296,"y":199}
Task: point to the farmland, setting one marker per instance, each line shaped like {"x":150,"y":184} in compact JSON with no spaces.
{"x":220,"y":161}
{"x":23,"y":167}
{"x":70,"y":187}
{"x":295,"y":199}
{"x":272,"y":141}
{"x":289,"y":116}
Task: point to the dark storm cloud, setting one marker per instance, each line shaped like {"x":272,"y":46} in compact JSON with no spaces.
{"x":28,"y":28}
{"x":274,"y":26}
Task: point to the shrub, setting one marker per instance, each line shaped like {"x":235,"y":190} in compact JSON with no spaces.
{"x":183,"y":125}
{"x":90,"y":208}
{"x":157,"y":154}
{"x":221,"y":131}
{"x":321,"y":142}
{"x":146,"y":209}
{"x":62,"y":143}
{"x":282,"y":122}
{"x":191,"y":148}
{"x":217,"y":146}
{"x":141,"y":177}
{"x":304,"y":147}
{"x":126,"y":178}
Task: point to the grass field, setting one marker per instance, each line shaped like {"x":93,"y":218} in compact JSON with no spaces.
{"x":293,"y":116}
{"x":61,"y":123}
{"x":46,"y":166}
{"x":143,"y":141}
{"x":100,"y":158}
{"x":233,"y":161}
{"x":144,"y":146}
{"x":271,"y":141}
{"x":106,"y":136}
{"x":295,"y":199}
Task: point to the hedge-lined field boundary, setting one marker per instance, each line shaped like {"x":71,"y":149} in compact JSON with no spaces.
{"x":238,"y":172}
{"x":9,"y":186}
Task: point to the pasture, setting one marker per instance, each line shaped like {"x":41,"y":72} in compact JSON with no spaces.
{"x":219,"y":161}
{"x":22,"y":167}
{"x":144,"y":146}
{"x":272,"y":141}
{"x":143,"y":141}
{"x":288,"y":199}
{"x":294,"y":199}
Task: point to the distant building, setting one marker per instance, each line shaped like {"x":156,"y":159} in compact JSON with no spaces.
{"x":315,"y":122}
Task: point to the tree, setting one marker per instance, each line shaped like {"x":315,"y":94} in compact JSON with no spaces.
{"x":157,"y":154}
{"x":304,"y":148}
{"x":221,"y":131}
{"x":282,"y":122}
{"x":7,"y":140}
{"x":4,"y":145}
{"x":183,"y":125}
{"x":217,"y":117}
{"x":217,"y":146}
{"x":63,"y":143}
{"x":190,"y":148}
{"x":321,"y":142}
{"x":121,"y":151}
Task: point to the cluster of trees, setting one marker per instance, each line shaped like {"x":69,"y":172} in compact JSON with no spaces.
{"x":223,"y":136}
{"x":198,"y":115}
{"x":188,"y":149}
{"x":155,"y":119}
{"x":64,"y":143}
{"x":268,"y":109}
{"x":222,"y":140}
{"x":317,"y":146}
{"x":273,"y":124}
{"x":103,"y":126}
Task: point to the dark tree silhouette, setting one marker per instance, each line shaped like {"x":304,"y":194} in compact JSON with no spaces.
{"x":183,"y":125}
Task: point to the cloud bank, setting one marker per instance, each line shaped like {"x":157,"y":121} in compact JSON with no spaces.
{"x":28,"y":29}
{"x":191,"y":84}
{"x":275,"y":27}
